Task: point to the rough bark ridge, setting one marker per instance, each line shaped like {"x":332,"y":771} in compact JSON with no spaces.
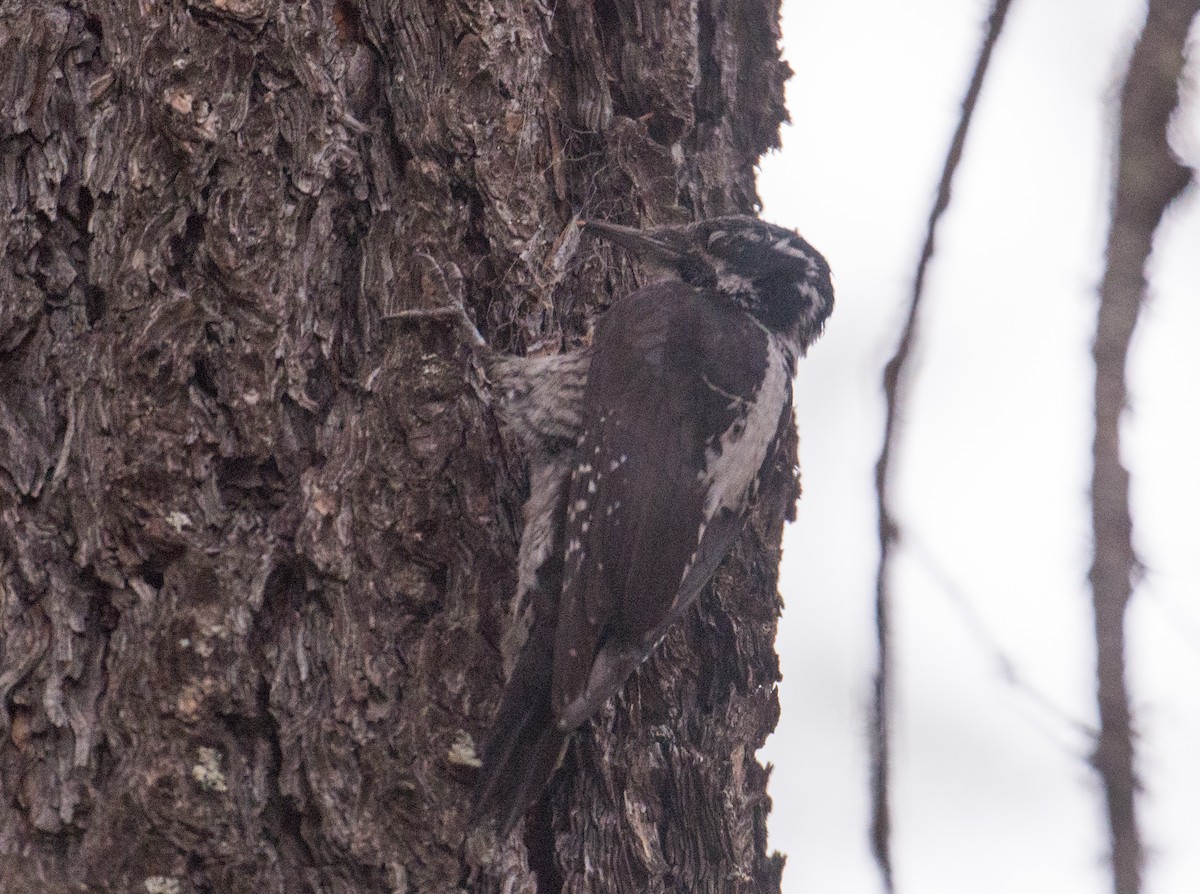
{"x":257,"y":542}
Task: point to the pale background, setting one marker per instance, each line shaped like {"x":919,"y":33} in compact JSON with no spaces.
{"x":992,"y":789}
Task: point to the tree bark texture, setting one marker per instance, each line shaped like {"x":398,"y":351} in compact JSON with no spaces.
{"x":258,"y":537}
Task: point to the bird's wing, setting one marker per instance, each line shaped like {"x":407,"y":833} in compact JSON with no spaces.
{"x":673,"y":371}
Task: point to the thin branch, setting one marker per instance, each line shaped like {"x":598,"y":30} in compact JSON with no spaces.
{"x":1006,"y":667}
{"x":893,"y":387}
{"x":1148,"y":179}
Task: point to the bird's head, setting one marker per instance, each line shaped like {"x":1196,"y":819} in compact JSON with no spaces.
{"x":768,"y":270}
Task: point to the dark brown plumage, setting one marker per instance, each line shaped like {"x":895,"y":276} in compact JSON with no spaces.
{"x":687,"y":384}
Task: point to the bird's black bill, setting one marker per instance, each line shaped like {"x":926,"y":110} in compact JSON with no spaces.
{"x":639,"y":241}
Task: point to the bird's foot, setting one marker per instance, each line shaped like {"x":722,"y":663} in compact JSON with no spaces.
{"x":448,"y":280}
{"x":454,"y":313}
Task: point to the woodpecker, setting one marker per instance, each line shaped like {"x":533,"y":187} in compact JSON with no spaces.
{"x":646,"y":453}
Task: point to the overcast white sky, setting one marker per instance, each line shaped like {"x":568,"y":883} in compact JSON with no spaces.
{"x":992,"y":791}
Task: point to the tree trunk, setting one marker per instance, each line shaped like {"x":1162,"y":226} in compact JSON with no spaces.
{"x":258,"y":538}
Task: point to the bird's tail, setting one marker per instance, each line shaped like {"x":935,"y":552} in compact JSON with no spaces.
{"x":525,"y":745}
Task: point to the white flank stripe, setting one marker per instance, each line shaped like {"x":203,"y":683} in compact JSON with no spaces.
{"x":729,"y":474}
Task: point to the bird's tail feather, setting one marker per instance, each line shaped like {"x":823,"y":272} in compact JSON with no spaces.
{"x":523,"y":749}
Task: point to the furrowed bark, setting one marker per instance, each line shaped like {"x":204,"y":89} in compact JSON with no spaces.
{"x":258,"y":537}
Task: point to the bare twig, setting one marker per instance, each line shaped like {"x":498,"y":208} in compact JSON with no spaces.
{"x":1148,"y":179}
{"x":888,"y":531}
{"x":1006,"y":667}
